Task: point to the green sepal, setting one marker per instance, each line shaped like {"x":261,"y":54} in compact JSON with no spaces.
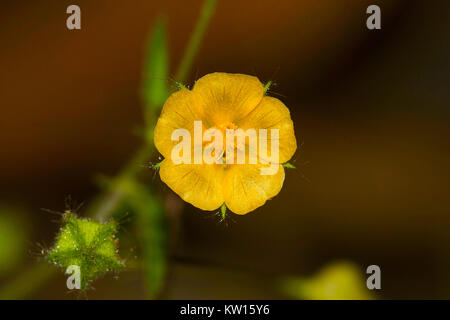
{"x":289,"y":165}
{"x":267,"y":86}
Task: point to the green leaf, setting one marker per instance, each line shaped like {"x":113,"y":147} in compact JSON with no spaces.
{"x":152,"y":225}
{"x":156,"y":72}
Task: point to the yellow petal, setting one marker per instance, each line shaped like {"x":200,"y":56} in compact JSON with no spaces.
{"x":271,"y":113}
{"x":198,"y":184}
{"x":227,"y":97}
{"x":246,"y":189}
{"x":179,"y":111}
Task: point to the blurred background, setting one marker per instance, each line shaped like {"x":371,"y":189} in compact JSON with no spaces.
{"x":371,"y":114}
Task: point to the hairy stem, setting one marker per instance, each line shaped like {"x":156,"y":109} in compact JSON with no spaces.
{"x":195,"y":39}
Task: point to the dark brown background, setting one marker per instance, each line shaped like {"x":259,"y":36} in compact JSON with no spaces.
{"x":371,"y":113}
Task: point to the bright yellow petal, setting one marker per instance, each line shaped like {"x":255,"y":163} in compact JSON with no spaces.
{"x":271,"y":113}
{"x":227,"y":97}
{"x":246,"y":189}
{"x":198,"y":184}
{"x":179,"y":111}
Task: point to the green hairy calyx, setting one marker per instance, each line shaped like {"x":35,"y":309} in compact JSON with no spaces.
{"x":89,"y":246}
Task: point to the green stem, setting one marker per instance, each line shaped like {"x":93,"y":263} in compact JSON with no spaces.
{"x":105,"y":204}
{"x":195,"y":39}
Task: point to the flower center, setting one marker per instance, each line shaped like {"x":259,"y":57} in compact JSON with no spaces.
{"x":226,"y":145}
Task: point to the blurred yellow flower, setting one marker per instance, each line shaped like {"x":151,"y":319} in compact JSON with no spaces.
{"x":224,"y":101}
{"x":340,"y":280}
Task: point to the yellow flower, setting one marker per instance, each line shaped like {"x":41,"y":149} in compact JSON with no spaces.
{"x":223,"y":101}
